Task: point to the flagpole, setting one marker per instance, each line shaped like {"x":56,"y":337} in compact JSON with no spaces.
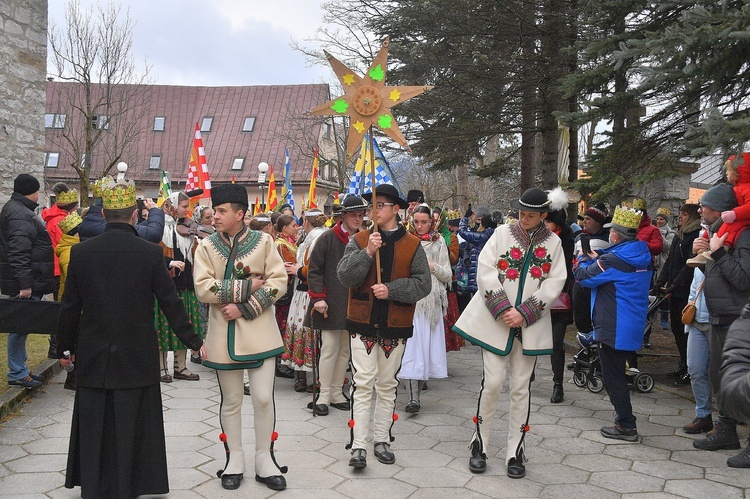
{"x":374,"y":205}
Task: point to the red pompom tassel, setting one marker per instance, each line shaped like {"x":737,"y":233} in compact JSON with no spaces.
{"x":475,"y":419}
{"x":526,"y":428}
{"x":351,"y":423}
{"x":223,"y":437}
{"x":395,"y":416}
{"x":274,"y":436}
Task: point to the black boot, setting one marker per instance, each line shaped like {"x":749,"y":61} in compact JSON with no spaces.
{"x":52,"y":352}
{"x":557,"y":394}
{"x":70,"y":381}
{"x":478,"y":459}
{"x":723,"y":436}
{"x":415,"y":387}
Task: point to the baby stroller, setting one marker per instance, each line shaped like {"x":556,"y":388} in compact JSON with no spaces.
{"x":588,"y":371}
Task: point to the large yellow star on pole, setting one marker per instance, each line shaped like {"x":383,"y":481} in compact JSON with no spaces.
{"x":367,"y":100}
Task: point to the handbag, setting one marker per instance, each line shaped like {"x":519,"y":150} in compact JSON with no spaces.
{"x":688,"y":313}
{"x":562,"y":302}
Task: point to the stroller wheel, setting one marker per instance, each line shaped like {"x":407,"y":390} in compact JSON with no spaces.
{"x":579,"y":378}
{"x":595,"y":384}
{"x":644,"y":382}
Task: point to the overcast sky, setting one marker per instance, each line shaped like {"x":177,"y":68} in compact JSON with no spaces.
{"x":219,"y":42}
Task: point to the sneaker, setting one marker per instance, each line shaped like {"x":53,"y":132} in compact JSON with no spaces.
{"x":682,"y":380}
{"x":617,"y":432}
{"x":37,"y":377}
{"x":699,"y":261}
{"x":699,"y":425}
{"x":741,"y":460}
{"x":28,"y":382}
{"x":723,"y":436}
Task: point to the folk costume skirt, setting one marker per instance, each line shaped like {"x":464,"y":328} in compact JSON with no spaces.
{"x":299,"y":343}
{"x":168,"y":341}
{"x":425,"y":355}
{"x":453,"y":342}
{"x":117,"y":447}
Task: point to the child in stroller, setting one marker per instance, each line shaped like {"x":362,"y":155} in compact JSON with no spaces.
{"x":587,"y":370}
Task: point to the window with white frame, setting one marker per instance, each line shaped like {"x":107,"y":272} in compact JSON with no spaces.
{"x":206,"y":123}
{"x":237,"y":163}
{"x":155,"y":162}
{"x":100,"y":122}
{"x":249,"y":124}
{"x":51,"y":159}
{"x":54,"y":120}
{"x":159,"y":123}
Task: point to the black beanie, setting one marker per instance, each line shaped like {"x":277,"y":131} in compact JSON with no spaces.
{"x":25,"y":184}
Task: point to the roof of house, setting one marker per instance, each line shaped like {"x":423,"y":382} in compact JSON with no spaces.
{"x":709,"y":172}
{"x":272,"y":106}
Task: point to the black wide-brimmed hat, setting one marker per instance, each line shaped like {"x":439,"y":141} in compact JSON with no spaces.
{"x":387,"y":190}
{"x":532,"y":200}
{"x":415,"y":196}
{"x":353,"y":202}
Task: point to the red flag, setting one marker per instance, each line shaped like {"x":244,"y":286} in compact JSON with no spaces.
{"x":198,"y":177}
{"x":257,"y":210}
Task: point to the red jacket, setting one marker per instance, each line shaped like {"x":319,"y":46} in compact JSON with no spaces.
{"x":53,"y":216}
{"x":650,"y":235}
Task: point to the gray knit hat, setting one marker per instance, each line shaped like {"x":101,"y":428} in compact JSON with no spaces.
{"x":719,"y":198}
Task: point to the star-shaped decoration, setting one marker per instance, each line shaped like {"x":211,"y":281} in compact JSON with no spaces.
{"x":367,"y":100}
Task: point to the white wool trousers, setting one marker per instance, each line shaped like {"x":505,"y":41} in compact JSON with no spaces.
{"x":334,"y":357}
{"x":264,"y":417}
{"x":373,"y":370}
{"x":495,"y":367}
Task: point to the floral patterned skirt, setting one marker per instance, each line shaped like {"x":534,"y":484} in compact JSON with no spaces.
{"x":299,"y":342}
{"x":453,"y":342}
{"x":168,"y":341}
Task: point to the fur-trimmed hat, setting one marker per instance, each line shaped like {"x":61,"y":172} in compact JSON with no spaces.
{"x":229,"y":193}
{"x":415,"y":196}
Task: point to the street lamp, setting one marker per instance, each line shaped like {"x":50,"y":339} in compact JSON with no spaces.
{"x":262,"y":169}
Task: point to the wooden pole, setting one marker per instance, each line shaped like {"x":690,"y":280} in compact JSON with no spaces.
{"x":374,"y":204}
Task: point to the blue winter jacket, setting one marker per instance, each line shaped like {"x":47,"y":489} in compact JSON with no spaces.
{"x":475,"y":241}
{"x":150,"y":229}
{"x":620,"y":279}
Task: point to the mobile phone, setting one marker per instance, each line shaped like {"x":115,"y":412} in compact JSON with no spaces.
{"x":585,"y":244}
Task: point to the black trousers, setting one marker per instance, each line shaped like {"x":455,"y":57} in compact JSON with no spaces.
{"x":558,"y":350}
{"x":616,"y":384}
{"x":676,"y":304}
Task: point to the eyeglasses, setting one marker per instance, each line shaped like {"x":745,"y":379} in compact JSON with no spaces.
{"x":379,"y":205}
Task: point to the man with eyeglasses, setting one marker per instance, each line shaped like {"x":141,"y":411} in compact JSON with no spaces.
{"x":379,"y":319}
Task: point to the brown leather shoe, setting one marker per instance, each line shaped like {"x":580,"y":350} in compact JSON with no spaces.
{"x":186,"y":375}
{"x":699,"y":425}
{"x":165,"y":377}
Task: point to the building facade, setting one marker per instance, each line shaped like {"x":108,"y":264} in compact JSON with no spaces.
{"x":23,"y":67}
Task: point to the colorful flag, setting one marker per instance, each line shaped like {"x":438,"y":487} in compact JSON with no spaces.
{"x":273,"y":201}
{"x":286,"y":191}
{"x":361,"y":181}
{"x":312,"y":193}
{"x":165,"y":190}
{"x":257,"y":209}
{"x":198,"y":177}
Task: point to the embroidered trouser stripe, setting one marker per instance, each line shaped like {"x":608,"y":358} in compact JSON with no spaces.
{"x":264,"y":417}
{"x":334,"y":357}
{"x":378,"y":372}
{"x":489,"y":397}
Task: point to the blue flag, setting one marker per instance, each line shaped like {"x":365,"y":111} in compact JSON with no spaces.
{"x":287,"y":194}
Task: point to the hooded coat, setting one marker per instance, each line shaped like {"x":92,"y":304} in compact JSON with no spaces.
{"x":52,"y":216}
{"x":620,"y":279}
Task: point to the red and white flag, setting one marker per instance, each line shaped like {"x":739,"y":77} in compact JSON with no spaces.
{"x":198,"y":177}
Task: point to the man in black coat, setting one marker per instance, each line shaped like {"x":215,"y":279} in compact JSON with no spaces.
{"x":107,"y":322}
{"x":726,"y":289}
{"x":26,"y":265}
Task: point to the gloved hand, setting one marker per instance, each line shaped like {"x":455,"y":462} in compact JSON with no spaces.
{"x":728,"y":216}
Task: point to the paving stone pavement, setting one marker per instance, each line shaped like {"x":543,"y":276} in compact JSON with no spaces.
{"x":567,"y":455}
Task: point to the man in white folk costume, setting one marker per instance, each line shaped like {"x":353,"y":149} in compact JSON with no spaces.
{"x":521,"y":272}
{"x":240,"y":274}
